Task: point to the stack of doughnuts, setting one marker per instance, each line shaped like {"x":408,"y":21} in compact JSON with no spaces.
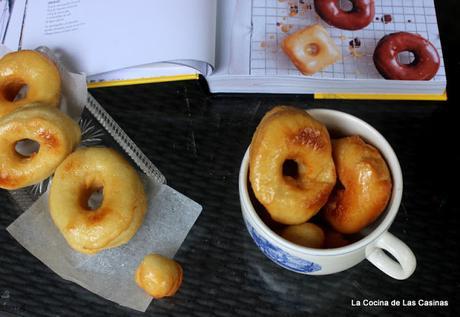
{"x":311,"y":48}
{"x":30,"y":92}
{"x":346,"y":182}
{"x":33,"y":117}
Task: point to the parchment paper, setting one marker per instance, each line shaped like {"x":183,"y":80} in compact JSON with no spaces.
{"x":110,"y":273}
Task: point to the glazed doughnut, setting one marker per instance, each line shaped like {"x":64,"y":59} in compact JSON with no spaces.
{"x":367,"y":184}
{"x":424,"y":67}
{"x":311,"y":49}
{"x":289,"y":136}
{"x":56,"y":134}
{"x":306,"y":234}
{"x":31,"y":69}
{"x":360,"y":16}
{"x":121,"y":212}
{"x":159,"y":276}
{"x":334,"y":239}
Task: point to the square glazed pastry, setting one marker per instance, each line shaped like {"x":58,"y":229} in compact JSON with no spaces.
{"x":311,"y":49}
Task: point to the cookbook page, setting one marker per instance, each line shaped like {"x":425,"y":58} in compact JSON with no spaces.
{"x":273,"y":20}
{"x":95,"y":36}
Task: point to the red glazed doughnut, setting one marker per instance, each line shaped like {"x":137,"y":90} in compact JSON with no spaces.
{"x":360,"y":16}
{"x":426,"y":62}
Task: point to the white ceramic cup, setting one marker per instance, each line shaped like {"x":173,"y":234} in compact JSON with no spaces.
{"x":327,"y":261}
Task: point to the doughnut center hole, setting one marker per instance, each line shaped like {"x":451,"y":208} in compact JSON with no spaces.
{"x":15,"y":91}
{"x":95,"y":198}
{"x":27,"y":148}
{"x":406,"y":58}
{"x":291,"y":169}
{"x":346,"y":5}
{"x":312,"y":49}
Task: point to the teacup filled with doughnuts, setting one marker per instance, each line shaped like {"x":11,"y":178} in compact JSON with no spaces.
{"x":319,"y":190}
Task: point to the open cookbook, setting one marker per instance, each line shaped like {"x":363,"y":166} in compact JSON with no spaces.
{"x":234,"y":44}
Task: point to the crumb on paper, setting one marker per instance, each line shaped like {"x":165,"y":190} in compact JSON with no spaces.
{"x":293,"y":9}
{"x":355,"y":43}
{"x":355,"y":52}
{"x":354,"y":46}
{"x":304,"y":7}
{"x":285,"y":28}
{"x":387,"y":18}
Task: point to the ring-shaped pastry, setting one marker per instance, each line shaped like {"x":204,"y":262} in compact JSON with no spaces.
{"x":32,"y":70}
{"x":360,"y":16}
{"x":56,"y":134}
{"x":290,"y":135}
{"x":426,"y":61}
{"x":121,"y":212}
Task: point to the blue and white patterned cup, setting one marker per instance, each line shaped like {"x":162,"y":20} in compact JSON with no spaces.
{"x":327,"y":261}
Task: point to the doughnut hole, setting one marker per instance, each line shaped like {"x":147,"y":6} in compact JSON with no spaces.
{"x":92,"y":196}
{"x":14,"y":91}
{"x":312,"y":49}
{"x":291,"y":169}
{"x":346,"y":5}
{"x":294,"y":172}
{"x":26,"y":148}
{"x":406,"y":58}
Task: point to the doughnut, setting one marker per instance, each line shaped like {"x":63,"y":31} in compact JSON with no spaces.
{"x":159,"y":276}
{"x":311,"y":49}
{"x":367,"y":184}
{"x":306,"y":234}
{"x":84,"y":172}
{"x":361,"y":14}
{"x":334,"y":239}
{"x":56,"y":134}
{"x":291,"y":170}
{"x":426,"y":58}
{"x":33,"y":70}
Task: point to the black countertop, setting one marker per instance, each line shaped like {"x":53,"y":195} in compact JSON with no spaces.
{"x":198,"y":140}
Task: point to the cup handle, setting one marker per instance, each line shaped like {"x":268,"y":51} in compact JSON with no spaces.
{"x":400,"y":269}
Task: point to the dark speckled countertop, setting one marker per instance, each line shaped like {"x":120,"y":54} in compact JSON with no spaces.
{"x":198,"y":140}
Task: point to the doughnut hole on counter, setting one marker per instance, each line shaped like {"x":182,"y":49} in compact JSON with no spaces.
{"x":159,"y":276}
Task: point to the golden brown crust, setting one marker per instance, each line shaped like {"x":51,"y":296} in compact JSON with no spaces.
{"x":334,"y":239}
{"x":55,"y":132}
{"x":367,"y":184}
{"x":288,"y":133}
{"x":123,"y":207}
{"x":311,"y":49}
{"x":31,"y":69}
{"x":306,"y":235}
{"x":159,"y":276}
